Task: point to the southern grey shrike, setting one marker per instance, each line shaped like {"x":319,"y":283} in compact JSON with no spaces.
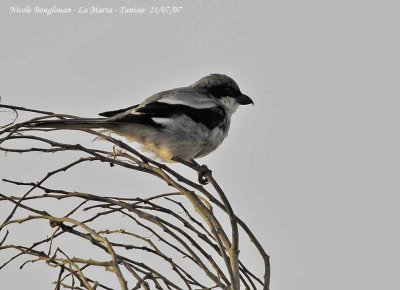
{"x":184,"y":123}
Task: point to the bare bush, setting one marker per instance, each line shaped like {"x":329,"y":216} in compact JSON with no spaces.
{"x":173,"y":240}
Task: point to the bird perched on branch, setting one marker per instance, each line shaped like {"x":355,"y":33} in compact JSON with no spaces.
{"x":184,"y":123}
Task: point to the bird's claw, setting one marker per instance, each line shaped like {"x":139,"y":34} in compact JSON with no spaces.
{"x":203,"y":171}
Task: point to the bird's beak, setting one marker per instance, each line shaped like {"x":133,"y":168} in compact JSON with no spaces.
{"x":244,"y":100}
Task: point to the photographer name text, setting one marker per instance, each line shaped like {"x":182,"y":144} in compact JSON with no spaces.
{"x":95,"y":10}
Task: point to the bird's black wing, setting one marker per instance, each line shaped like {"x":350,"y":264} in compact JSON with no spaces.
{"x":161,"y":113}
{"x":164,"y":107}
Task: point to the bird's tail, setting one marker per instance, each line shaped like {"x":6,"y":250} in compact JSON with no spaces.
{"x":81,"y":123}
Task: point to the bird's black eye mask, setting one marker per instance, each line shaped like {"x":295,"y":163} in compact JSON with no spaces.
{"x":223,"y":91}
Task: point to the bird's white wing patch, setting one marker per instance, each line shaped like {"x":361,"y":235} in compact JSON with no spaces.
{"x":162,"y":121}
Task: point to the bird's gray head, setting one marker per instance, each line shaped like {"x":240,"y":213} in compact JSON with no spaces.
{"x":223,"y":88}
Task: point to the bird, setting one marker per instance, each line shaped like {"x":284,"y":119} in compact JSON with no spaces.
{"x":184,"y":123}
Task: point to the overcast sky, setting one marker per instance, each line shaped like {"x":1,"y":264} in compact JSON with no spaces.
{"x":313,"y":167}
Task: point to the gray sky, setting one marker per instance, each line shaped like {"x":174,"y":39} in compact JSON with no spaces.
{"x":313,"y":166}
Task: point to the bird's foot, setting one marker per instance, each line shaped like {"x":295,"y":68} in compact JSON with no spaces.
{"x":202,"y":170}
